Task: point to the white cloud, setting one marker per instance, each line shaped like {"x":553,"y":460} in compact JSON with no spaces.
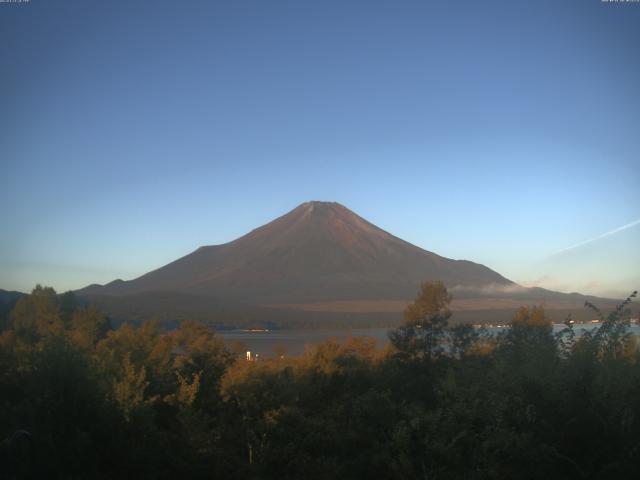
{"x":488,"y":289}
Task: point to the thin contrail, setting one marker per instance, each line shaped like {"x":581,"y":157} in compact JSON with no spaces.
{"x":611,"y":232}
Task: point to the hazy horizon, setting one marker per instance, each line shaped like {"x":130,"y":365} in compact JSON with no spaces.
{"x":503,"y":133}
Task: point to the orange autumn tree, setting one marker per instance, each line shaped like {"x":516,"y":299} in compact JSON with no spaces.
{"x":425,"y":323}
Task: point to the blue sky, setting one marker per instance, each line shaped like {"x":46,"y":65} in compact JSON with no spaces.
{"x":501,"y":132}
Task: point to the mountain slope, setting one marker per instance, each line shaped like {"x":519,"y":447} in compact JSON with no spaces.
{"x":318,"y":262}
{"x":317,"y":252}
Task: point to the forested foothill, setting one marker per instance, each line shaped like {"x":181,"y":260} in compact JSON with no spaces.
{"x":79,"y":399}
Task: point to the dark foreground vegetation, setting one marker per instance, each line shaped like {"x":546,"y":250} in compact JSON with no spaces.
{"x":81,"y":400}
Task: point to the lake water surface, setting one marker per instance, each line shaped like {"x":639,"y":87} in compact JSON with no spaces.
{"x":294,"y":342}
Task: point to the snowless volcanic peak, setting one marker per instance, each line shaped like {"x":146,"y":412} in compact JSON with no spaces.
{"x":323,"y":224}
{"x":318,"y":252}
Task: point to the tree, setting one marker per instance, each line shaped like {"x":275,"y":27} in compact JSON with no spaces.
{"x":88,"y":326}
{"x":534,"y":316}
{"x":53,"y":392}
{"x":463,"y":339}
{"x":129,"y":391}
{"x":531,"y":332}
{"x":612,"y":339}
{"x":68,"y":305}
{"x":37,"y":315}
{"x":425,"y":321}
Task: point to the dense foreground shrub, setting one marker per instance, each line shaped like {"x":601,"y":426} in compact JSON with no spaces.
{"x":80,"y":400}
